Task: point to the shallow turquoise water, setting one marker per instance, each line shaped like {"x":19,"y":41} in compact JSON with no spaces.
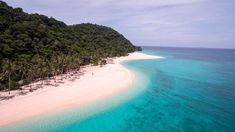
{"x":190,"y":90}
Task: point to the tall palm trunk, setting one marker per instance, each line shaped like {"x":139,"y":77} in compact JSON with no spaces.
{"x":9,"y":83}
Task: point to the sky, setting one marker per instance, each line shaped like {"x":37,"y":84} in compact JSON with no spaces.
{"x":177,"y":23}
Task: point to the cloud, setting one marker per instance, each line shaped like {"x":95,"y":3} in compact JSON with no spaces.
{"x":149,"y":22}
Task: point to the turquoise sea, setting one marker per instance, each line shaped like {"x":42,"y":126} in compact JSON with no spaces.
{"x":190,"y":90}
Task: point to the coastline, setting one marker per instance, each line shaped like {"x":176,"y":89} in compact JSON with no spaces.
{"x":95,"y":85}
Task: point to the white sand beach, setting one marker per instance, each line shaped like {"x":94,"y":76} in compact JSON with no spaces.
{"x":97,"y":83}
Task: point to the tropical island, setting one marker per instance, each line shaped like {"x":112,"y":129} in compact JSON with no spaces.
{"x":47,"y":66}
{"x":74,"y":66}
{"x":33,"y":46}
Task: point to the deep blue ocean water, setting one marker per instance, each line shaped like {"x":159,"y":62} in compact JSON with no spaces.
{"x":190,"y":90}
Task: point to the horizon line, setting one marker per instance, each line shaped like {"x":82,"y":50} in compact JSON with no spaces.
{"x":187,"y":47}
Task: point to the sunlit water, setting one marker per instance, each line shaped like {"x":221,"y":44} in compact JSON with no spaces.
{"x":191,"y":90}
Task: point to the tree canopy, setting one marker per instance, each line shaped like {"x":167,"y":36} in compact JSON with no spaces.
{"x":34,"y":46}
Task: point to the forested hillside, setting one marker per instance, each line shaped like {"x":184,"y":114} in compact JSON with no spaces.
{"x":34,"y":46}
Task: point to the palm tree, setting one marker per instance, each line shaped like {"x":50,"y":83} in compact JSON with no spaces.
{"x":54,"y":66}
{"x":35,"y":69}
{"x":23,"y":68}
{"x":9,"y":68}
{"x":31,"y":72}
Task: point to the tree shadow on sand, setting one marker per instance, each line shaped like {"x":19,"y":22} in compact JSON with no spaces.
{"x":6,"y":97}
{"x":40,"y":84}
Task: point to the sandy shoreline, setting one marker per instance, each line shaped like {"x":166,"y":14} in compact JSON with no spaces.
{"x":95,"y":85}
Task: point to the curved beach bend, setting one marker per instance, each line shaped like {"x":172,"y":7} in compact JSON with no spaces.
{"x":95,"y":85}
